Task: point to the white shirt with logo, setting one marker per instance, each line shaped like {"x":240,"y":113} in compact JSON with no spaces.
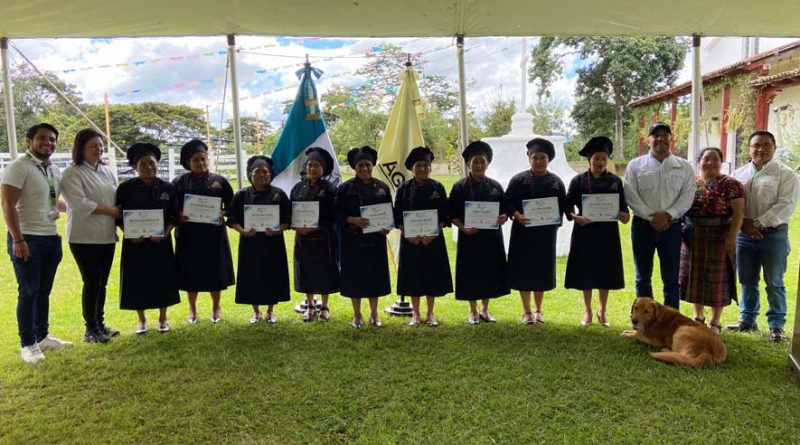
{"x":771,"y":194}
{"x":34,"y":207}
{"x":652,"y":186}
{"x":85,"y":187}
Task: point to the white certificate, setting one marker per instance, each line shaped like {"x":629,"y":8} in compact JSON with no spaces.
{"x":481,"y":214}
{"x":143,"y":223}
{"x":420,"y":223}
{"x":262,"y":217}
{"x":202,"y":209}
{"x":600,"y":207}
{"x":380,"y":217}
{"x":542,"y":211}
{"x":305,"y":214}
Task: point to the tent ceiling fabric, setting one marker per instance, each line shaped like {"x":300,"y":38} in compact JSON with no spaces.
{"x":396,"y":18}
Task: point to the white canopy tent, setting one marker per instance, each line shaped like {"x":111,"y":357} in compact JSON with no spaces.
{"x":402,"y":18}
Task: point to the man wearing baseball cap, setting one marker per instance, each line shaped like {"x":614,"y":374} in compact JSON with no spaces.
{"x":659,"y":187}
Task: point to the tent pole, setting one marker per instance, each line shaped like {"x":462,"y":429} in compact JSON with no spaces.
{"x":462,"y":97}
{"x":697,"y":98}
{"x":11,"y":127}
{"x":237,"y":128}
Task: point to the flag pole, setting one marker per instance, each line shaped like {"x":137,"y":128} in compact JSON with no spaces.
{"x":11,"y":128}
{"x":462,"y":100}
{"x":400,"y":308}
{"x":237,"y":128}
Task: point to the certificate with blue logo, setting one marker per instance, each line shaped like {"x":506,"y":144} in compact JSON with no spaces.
{"x":143,"y":223}
{"x":262,"y":217}
{"x":602,"y":207}
{"x":380,"y":217}
{"x":305,"y":214}
{"x":202,"y":209}
{"x":481,"y":214}
{"x":542,"y":211}
{"x":420,"y":223}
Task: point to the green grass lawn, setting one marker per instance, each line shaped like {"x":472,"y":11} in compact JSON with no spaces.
{"x":328,"y":383}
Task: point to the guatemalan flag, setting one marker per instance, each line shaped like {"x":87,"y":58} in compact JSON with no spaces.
{"x":304,"y":128}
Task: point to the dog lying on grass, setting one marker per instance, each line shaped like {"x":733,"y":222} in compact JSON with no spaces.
{"x":681,"y":339}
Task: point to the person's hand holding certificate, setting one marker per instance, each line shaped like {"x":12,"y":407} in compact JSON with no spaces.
{"x":602,"y":207}
{"x":380,"y":217}
{"x":143,"y":223}
{"x":420,"y":223}
{"x":481,"y":214}
{"x":305,"y":214}
{"x":260,"y":217}
{"x":202,"y":209}
{"x":541,"y":212}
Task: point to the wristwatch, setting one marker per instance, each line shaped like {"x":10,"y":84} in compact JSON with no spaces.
{"x":757,"y":224}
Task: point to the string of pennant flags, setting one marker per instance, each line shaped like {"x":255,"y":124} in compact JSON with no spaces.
{"x":146,"y":90}
{"x":215,"y":53}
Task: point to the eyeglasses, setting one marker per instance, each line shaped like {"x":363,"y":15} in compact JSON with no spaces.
{"x":762,"y":146}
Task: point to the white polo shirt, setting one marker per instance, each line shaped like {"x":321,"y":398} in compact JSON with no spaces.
{"x":652,"y":186}
{"x":770,"y":195}
{"x":84,"y":187}
{"x":33,"y":178}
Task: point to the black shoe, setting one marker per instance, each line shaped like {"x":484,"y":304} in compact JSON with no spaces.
{"x":776,"y":334}
{"x":95,"y":336}
{"x":742,"y":327}
{"x":109,"y":332}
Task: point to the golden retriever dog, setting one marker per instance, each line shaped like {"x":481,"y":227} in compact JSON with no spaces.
{"x":681,"y":339}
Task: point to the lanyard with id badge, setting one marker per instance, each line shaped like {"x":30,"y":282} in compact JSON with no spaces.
{"x":53,"y":213}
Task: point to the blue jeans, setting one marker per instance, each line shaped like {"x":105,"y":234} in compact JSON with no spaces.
{"x":646,"y":242}
{"x":35,"y":281}
{"x":770,"y":253}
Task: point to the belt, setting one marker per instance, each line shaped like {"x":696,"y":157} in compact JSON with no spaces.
{"x":778,"y":228}
{"x":647,"y":221}
{"x":707,"y":222}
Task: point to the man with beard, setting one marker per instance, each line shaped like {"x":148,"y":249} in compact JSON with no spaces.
{"x":659,"y":188}
{"x":30,"y":189}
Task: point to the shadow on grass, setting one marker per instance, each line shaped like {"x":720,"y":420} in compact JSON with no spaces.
{"x":502,"y":382}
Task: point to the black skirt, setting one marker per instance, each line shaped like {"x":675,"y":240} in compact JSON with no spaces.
{"x":204,"y":257}
{"x":148,"y":275}
{"x":424,"y":270}
{"x":365,"y":265}
{"x":315,"y":267}
{"x":532,"y":258}
{"x":595,"y":257}
{"x":263,"y":272}
{"x":481,"y":266}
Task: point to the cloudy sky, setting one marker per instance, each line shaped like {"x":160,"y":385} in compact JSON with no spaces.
{"x":192,"y":70}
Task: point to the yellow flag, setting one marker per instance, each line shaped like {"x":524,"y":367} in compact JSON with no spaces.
{"x":403,"y":132}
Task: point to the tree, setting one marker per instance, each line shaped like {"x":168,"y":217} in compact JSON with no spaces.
{"x":151,"y":122}
{"x":256,"y":134}
{"x":33,"y":97}
{"x":497,"y":121}
{"x":615,"y":71}
{"x":550,"y":117}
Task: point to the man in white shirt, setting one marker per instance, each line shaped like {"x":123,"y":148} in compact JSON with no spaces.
{"x":659,"y":188}
{"x":771,"y":192}
{"x":30,"y":191}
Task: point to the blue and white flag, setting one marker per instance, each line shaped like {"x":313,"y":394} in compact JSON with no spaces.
{"x":304,"y":128}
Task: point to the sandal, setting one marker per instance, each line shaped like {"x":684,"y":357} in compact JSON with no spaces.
{"x":603,"y":320}
{"x":486,"y":317}
{"x":414,"y":322}
{"x":473,"y":320}
{"x":310,"y":314}
{"x":537,"y":317}
{"x":716,"y":328}
{"x":324,"y":313}
{"x":701,"y":320}
{"x":527,"y":318}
